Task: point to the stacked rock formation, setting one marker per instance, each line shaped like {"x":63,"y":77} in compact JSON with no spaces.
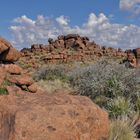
{"x":7,"y":52}
{"x":71,"y":47}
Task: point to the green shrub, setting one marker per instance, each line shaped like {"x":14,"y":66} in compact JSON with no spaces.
{"x":3,"y":91}
{"x":120,"y":106}
{"x":114,"y":87}
{"x":51,"y":73}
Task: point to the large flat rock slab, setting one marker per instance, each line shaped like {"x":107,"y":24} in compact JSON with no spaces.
{"x":51,"y":117}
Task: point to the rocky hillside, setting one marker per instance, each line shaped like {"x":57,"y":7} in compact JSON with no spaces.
{"x":69,"y":48}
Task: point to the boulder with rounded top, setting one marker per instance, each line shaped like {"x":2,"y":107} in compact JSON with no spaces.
{"x":7,"y":52}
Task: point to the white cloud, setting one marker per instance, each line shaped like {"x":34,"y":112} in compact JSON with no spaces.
{"x":26,"y":31}
{"x":130,"y":5}
{"x":62,"y":20}
{"x":24,"y":20}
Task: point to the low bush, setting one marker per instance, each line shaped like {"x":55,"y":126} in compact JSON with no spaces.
{"x":122,"y":129}
{"x":3,"y":91}
{"x":51,"y":73}
{"x":120,"y":106}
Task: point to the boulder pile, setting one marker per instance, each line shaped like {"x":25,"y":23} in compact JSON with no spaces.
{"x":69,"y":48}
{"x":15,"y":80}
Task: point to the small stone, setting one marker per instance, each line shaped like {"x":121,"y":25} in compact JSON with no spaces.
{"x":33,"y":88}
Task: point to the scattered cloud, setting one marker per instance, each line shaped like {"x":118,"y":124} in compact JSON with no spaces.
{"x":62,"y":20}
{"x":130,"y":5}
{"x":27,"y":31}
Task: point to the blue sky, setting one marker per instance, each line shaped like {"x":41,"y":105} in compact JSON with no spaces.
{"x":24,"y":22}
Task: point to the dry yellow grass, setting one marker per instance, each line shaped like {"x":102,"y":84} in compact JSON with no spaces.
{"x":53,"y":86}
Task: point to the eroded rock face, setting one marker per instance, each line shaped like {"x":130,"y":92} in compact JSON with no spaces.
{"x":7,"y":52}
{"x":51,"y":117}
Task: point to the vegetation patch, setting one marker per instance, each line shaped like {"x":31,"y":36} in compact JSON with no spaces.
{"x":51,"y":73}
{"x":3,"y":91}
{"x":122,"y":129}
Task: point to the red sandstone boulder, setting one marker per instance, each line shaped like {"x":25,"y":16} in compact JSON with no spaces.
{"x":7,"y":52}
{"x":69,"y":43}
{"x":4,"y":45}
{"x":51,"y":117}
{"x":33,"y":88}
{"x":12,"y":69}
{"x":137,"y":54}
{"x":57,"y":44}
{"x":79,"y":44}
{"x":15,"y":90}
{"x":21,"y":80}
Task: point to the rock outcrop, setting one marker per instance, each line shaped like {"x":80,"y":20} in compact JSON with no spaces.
{"x":70,"y":48}
{"x":51,"y":117}
{"x":7,"y":52}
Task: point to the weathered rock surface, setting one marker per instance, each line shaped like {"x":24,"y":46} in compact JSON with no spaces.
{"x":51,"y":117}
{"x":7,"y":52}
